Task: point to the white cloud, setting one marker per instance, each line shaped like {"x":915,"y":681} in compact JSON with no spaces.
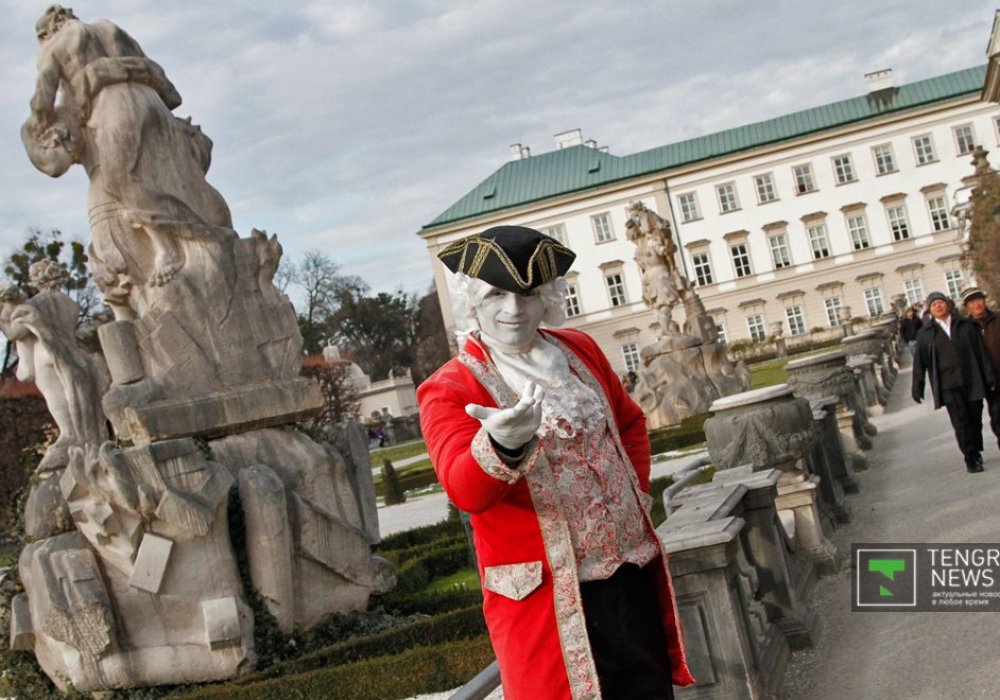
{"x":349,"y":125}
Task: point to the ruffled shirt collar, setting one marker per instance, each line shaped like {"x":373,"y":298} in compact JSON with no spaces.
{"x":569,"y":406}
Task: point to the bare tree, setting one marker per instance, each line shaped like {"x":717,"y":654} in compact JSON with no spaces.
{"x":317,"y":277}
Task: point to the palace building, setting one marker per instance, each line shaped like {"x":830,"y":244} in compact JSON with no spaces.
{"x":802,"y":220}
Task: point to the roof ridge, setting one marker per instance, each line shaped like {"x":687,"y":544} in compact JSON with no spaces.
{"x":559,"y":172}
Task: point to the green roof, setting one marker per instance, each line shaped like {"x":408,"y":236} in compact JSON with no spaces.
{"x":579,"y":168}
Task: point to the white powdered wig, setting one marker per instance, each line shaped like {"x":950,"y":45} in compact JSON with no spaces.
{"x":468,"y":293}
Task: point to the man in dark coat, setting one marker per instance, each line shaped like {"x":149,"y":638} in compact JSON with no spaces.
{"x":950,"y":350}
{"x":988,"y":321}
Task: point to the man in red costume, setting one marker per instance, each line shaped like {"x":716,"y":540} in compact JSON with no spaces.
{"x":531,"y":432}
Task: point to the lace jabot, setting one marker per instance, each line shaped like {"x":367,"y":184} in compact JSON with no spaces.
{"x":569,"y":407}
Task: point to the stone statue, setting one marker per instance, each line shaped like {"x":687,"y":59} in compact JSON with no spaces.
{"x":184,"y":288}
{"x":71,"y":378}
{"x":136,"y":582}
{"x":662,"y":283}
{"x":147,"y":167}
{"x":686,"y":368}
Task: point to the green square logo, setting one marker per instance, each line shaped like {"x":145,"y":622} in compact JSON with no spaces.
{"x":885,"y":578}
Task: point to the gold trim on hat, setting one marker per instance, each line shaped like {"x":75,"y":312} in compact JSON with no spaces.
{"x":543,"y":255}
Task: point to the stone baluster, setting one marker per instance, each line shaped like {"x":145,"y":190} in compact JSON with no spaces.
{"x":835,"y":460}
{"x":876,"y":343}
{"x":868,"y":382}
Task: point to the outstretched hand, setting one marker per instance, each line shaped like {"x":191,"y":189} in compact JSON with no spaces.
{"x":512,"y":427}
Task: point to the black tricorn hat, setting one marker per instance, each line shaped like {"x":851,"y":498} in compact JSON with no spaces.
{"x":513,"y":258}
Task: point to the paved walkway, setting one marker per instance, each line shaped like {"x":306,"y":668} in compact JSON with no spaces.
{"x":916,"y":490}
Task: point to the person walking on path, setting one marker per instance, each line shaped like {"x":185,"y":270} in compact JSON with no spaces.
{"x":988,"y":321}
{"x":908,"y":327}
{"x":950,"y":351}
{"x":532,"y":433}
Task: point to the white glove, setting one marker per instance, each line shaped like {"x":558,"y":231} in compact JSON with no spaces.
{"x":512,"y":427}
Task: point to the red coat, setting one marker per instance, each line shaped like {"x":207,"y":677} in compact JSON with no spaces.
{"x":522,"y":542}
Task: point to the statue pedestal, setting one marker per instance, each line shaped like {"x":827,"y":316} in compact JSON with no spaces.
{"x":243,"y":407}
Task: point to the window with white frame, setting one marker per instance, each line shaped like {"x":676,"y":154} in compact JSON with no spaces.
{"x":923,"y":148}
{"x":873,"y":301}
{"x":804,"y":181}
{"x":702,"y":268}
{"x":833,"y":307}
{"x":764,"y":184}
{"x":616,"y":288}
{"x":726,"y":193}
{"x":857,"y":227}
{"x":558,"y":231}
{"x":796,"y":320}
{"x":965,"y":140}
{"x":689,"y":206}
{"x":572,"y":300}
{"x":779,"y":250}
{"x":601,"y":224}
{"x":843,"y":169}
{"x":885,"y":160}
{"x":955,"y":282}
{"x":755,"y":324}
{"x":630,"y":353}
{"x":741,"y":259}
{"x":819,"y":242}
{"x":937,"y":206}
{"x":898,"y":222}
{"x":914,"y":289}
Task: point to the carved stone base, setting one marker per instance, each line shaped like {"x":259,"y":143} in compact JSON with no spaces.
{"x":237,"y":409}
{"x":798,"y":497}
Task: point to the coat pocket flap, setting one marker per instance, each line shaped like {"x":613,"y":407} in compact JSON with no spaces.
{"x":514,"y":581}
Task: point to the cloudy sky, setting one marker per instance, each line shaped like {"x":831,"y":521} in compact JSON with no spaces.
{"x":345,"y":125}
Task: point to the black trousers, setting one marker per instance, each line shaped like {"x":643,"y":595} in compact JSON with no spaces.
{"x":967,"y":420}
{"x":626,"y":635}
{"x":993,"y":403}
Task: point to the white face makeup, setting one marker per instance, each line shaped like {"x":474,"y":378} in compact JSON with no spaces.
{"x":510,"y":318}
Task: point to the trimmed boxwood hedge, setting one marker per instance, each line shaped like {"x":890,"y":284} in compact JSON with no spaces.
{"x":424,"y":669}
{"x":464,"y":623}
{"x":689,"y":432}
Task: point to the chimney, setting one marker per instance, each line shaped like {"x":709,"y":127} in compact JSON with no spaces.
{"x":565,"y":139}
{"x":519,"y":152}
{"x":590,"y":143}
{"x":879,"y":80}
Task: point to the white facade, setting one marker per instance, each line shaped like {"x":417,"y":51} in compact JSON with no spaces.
{"x":858,"y":243}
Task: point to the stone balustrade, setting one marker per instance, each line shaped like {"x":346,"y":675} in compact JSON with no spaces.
{"x":733,"y":649}
{"x":825,"y":375}
{"x":770,"y":428}
{"x":869,"y":383}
